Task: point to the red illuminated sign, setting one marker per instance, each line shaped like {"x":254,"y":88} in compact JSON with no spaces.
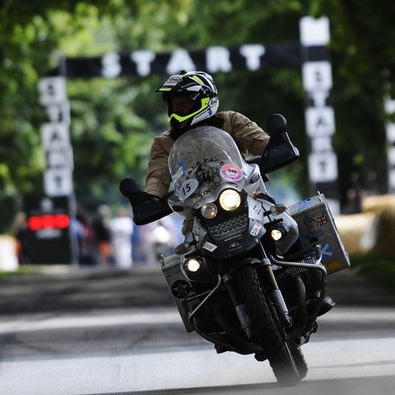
{"x":48,"y":221}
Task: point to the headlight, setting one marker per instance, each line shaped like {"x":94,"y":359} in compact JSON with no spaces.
{"x":229,"y":199}
{"x":196,"y":268}
{"x":209,"y":210}
{"x":192,"y":265}
{"x":276,"y":234}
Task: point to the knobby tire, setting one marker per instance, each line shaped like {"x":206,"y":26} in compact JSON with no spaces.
{"x":267,"y":328}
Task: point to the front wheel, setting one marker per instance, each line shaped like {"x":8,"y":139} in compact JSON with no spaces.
{"x":267,"y":328}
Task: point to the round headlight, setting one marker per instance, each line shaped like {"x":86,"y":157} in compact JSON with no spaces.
{"x":209,"y":210}
{"x":276,"y":234}
{"x":230,"y":199}
{"x":192,"y":265}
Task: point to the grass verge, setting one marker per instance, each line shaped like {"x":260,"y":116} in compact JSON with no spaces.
{"x":380,"y":270}
{"x":22,"y":270}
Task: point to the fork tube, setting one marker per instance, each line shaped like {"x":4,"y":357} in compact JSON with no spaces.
{"x":240,"y":309}
{"x":275,"y":294}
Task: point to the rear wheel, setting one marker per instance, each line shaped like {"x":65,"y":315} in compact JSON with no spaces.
{"x":267,"y":328}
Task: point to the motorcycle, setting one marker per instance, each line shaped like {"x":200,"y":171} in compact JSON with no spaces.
{"x":251,"y":275}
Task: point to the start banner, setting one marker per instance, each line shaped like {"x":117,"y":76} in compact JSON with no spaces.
{"x":215,"y":59}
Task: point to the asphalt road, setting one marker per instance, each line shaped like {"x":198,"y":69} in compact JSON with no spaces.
{"x":68,"y":310}
{"x":120,"y":330}
{"x":62,"y":288}
{"x":81,"y":289}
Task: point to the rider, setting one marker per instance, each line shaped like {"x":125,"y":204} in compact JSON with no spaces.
{"x":192,"y":100}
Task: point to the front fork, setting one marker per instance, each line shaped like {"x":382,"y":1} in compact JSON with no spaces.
{"x":240,"y":309}
{"x":272,"y":288}
{"x":275,"y":294}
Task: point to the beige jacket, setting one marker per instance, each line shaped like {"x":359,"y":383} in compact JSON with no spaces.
{"x":249,"y":137}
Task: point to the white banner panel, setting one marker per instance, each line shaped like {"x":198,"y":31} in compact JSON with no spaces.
{"x":323,"y":167}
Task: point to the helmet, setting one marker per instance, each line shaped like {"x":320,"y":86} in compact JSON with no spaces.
{"x":194,"y":85}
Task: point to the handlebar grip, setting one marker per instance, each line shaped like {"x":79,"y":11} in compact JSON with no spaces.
{"x":276,"y":124}
{"x":128,"y":187}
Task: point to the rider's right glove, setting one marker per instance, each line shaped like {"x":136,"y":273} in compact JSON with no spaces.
{"x":146,"y":208}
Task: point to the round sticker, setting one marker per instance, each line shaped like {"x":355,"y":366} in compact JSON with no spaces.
{"x":231,"y":172}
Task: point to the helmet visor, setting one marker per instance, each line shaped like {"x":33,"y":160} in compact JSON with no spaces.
{"x":181,"y":118}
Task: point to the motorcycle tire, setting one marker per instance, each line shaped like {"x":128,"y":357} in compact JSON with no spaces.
{"x":299,"y":360}
{"x":267,"y":328}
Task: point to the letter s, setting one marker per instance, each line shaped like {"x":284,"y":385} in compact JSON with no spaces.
{"x":111,"y":67}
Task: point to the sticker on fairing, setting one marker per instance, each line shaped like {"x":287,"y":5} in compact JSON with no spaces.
{"x":209,"y":246}
{"x":231,"y":172}
{"x":255,"y":230}
{"x":187,"y":188}
{"x":178,"y":174}
{"x":326,"y":251}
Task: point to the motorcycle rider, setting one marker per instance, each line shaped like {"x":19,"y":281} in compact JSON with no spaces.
{"x":192,"y":100}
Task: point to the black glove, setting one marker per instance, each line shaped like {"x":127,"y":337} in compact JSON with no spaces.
{"x":131,"y":189}
{"x":146,"y":208}
{"x":279,"y":153}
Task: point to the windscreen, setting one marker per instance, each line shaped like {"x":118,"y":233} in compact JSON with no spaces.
{"x":201,"y":160}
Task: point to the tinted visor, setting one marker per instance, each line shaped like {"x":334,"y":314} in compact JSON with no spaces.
{"x":168,"y":96}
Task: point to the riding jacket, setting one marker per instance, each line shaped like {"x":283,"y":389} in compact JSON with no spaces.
{"x":249,"y":137}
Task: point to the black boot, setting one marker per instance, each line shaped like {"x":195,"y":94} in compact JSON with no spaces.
{"x":327,"y":305}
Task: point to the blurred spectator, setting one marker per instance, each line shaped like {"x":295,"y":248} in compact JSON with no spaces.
{"x":139,"y":250}
{"x":102,"y":232}
{"x":20,"y":231}
{"x":160,"y":239}
{"x":145,"y":236}
{"x":353,"y":202}
{"x":85,"y":238}
{"x":121,"y":235}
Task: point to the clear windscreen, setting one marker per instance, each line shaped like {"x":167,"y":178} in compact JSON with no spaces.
{"x":201,"y":160}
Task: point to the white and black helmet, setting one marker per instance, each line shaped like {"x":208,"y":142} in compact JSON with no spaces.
{"x":195,"y":85}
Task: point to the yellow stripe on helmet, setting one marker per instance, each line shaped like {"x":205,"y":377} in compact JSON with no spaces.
{"x":180,"y":118}
{"x":197,"y":79}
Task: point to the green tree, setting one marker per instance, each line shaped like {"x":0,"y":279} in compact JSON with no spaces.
{"x":363,"y":61}
{"x":103,"y":112}
{"x":113,"y":121}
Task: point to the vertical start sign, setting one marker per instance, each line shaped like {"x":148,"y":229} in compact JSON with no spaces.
{"x":55,"y":137}
{"x":320,"y":120}
{"x":389,"y":105}
{"x":52,"y":237}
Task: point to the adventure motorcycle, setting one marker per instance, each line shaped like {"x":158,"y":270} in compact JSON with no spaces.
{"x":251,"y":275}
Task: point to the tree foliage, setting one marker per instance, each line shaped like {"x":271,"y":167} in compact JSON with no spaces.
{"x":363,"y":62}
{"x":114,"y":121}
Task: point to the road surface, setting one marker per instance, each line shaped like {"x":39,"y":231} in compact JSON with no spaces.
{"x":95,"y":332}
